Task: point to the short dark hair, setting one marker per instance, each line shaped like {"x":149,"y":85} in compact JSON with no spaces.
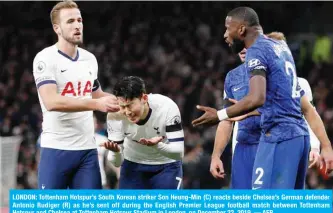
{"x":246,"y":14}
{"x":130,"y":87}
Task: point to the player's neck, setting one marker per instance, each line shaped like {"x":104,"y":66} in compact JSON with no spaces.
{"x":145,"y":112}
{"x":251,"y":37}
{"x":67,"y":48}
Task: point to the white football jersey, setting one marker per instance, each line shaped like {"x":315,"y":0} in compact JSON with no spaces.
{"x":304,"y":84}
{"x":74,"y":78}
{"x":101,"y":155}
{"x":163,"y":120}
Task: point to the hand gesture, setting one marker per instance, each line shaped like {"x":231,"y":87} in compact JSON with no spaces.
{"x":209,"y":117}
{"x":152,"y":141}
{"x":110,"y":145}
{"x":107,"y":104}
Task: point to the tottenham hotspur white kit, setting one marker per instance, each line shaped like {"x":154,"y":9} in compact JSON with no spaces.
{"x":74,"y":78}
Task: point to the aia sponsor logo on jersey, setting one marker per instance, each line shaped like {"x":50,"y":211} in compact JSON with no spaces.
{"x":79,"y":89}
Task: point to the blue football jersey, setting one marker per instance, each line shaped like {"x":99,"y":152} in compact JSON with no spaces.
{"x":281,"y":117}
{"x":236,"y":86}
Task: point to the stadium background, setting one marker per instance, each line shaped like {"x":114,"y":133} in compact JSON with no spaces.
{"x":177,"y":47}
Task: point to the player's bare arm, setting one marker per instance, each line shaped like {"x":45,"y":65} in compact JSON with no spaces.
{"x":318,"y":128}
{"x":255,"y":98}
{"x":99,"y":93}
{"x":222,"y":138}
{"x":314,"y":155}
{"x":242,"y":117}
{"x":315,"y":122}
{"x":112,"y":100}
{"x":56,"y":102}
{"x":209,"y":117}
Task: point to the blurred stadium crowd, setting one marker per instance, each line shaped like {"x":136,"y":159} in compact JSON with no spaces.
{"x":177,"y":47}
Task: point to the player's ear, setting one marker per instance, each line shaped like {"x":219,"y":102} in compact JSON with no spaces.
{"x":56,"y":29}
{"x":242,"y":30}
{"x":144,"y":98}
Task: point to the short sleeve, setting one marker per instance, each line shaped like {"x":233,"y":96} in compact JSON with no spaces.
{"x":305,"y":86}
{"x":174,"y":130}
{"x":43,"y":71}
{"x":256,"y":59}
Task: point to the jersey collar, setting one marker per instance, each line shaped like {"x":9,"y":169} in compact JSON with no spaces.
{"x":67,"y":56}
{"x":144,"y":121}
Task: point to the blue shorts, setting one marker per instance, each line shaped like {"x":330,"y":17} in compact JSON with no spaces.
{"x":142,"y":176}
{"x":281,"y":165}
{"x":62,"y":169}
{"x":242,"y":165}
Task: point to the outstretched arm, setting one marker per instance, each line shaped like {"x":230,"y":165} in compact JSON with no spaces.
{"x":255,"y":98}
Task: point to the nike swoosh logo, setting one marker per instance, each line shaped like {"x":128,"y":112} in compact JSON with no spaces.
{"x":236,"y":89}
{"x":126,"y":133}
{"x":63,"y":70}
{"x":255,"y":188}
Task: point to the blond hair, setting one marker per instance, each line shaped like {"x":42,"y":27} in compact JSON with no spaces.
{"x":277,"y":36}
{"x":67,"y":4}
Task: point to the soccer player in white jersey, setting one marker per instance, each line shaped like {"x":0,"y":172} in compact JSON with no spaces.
{"x":146,"y":138}
{"x":68,"y":91}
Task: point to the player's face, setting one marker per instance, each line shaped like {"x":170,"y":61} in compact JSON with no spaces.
{"x":242,"y":55}
{"x":70,"y":26}
{"x":133,"y":109}
{"x":234,"y":34}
